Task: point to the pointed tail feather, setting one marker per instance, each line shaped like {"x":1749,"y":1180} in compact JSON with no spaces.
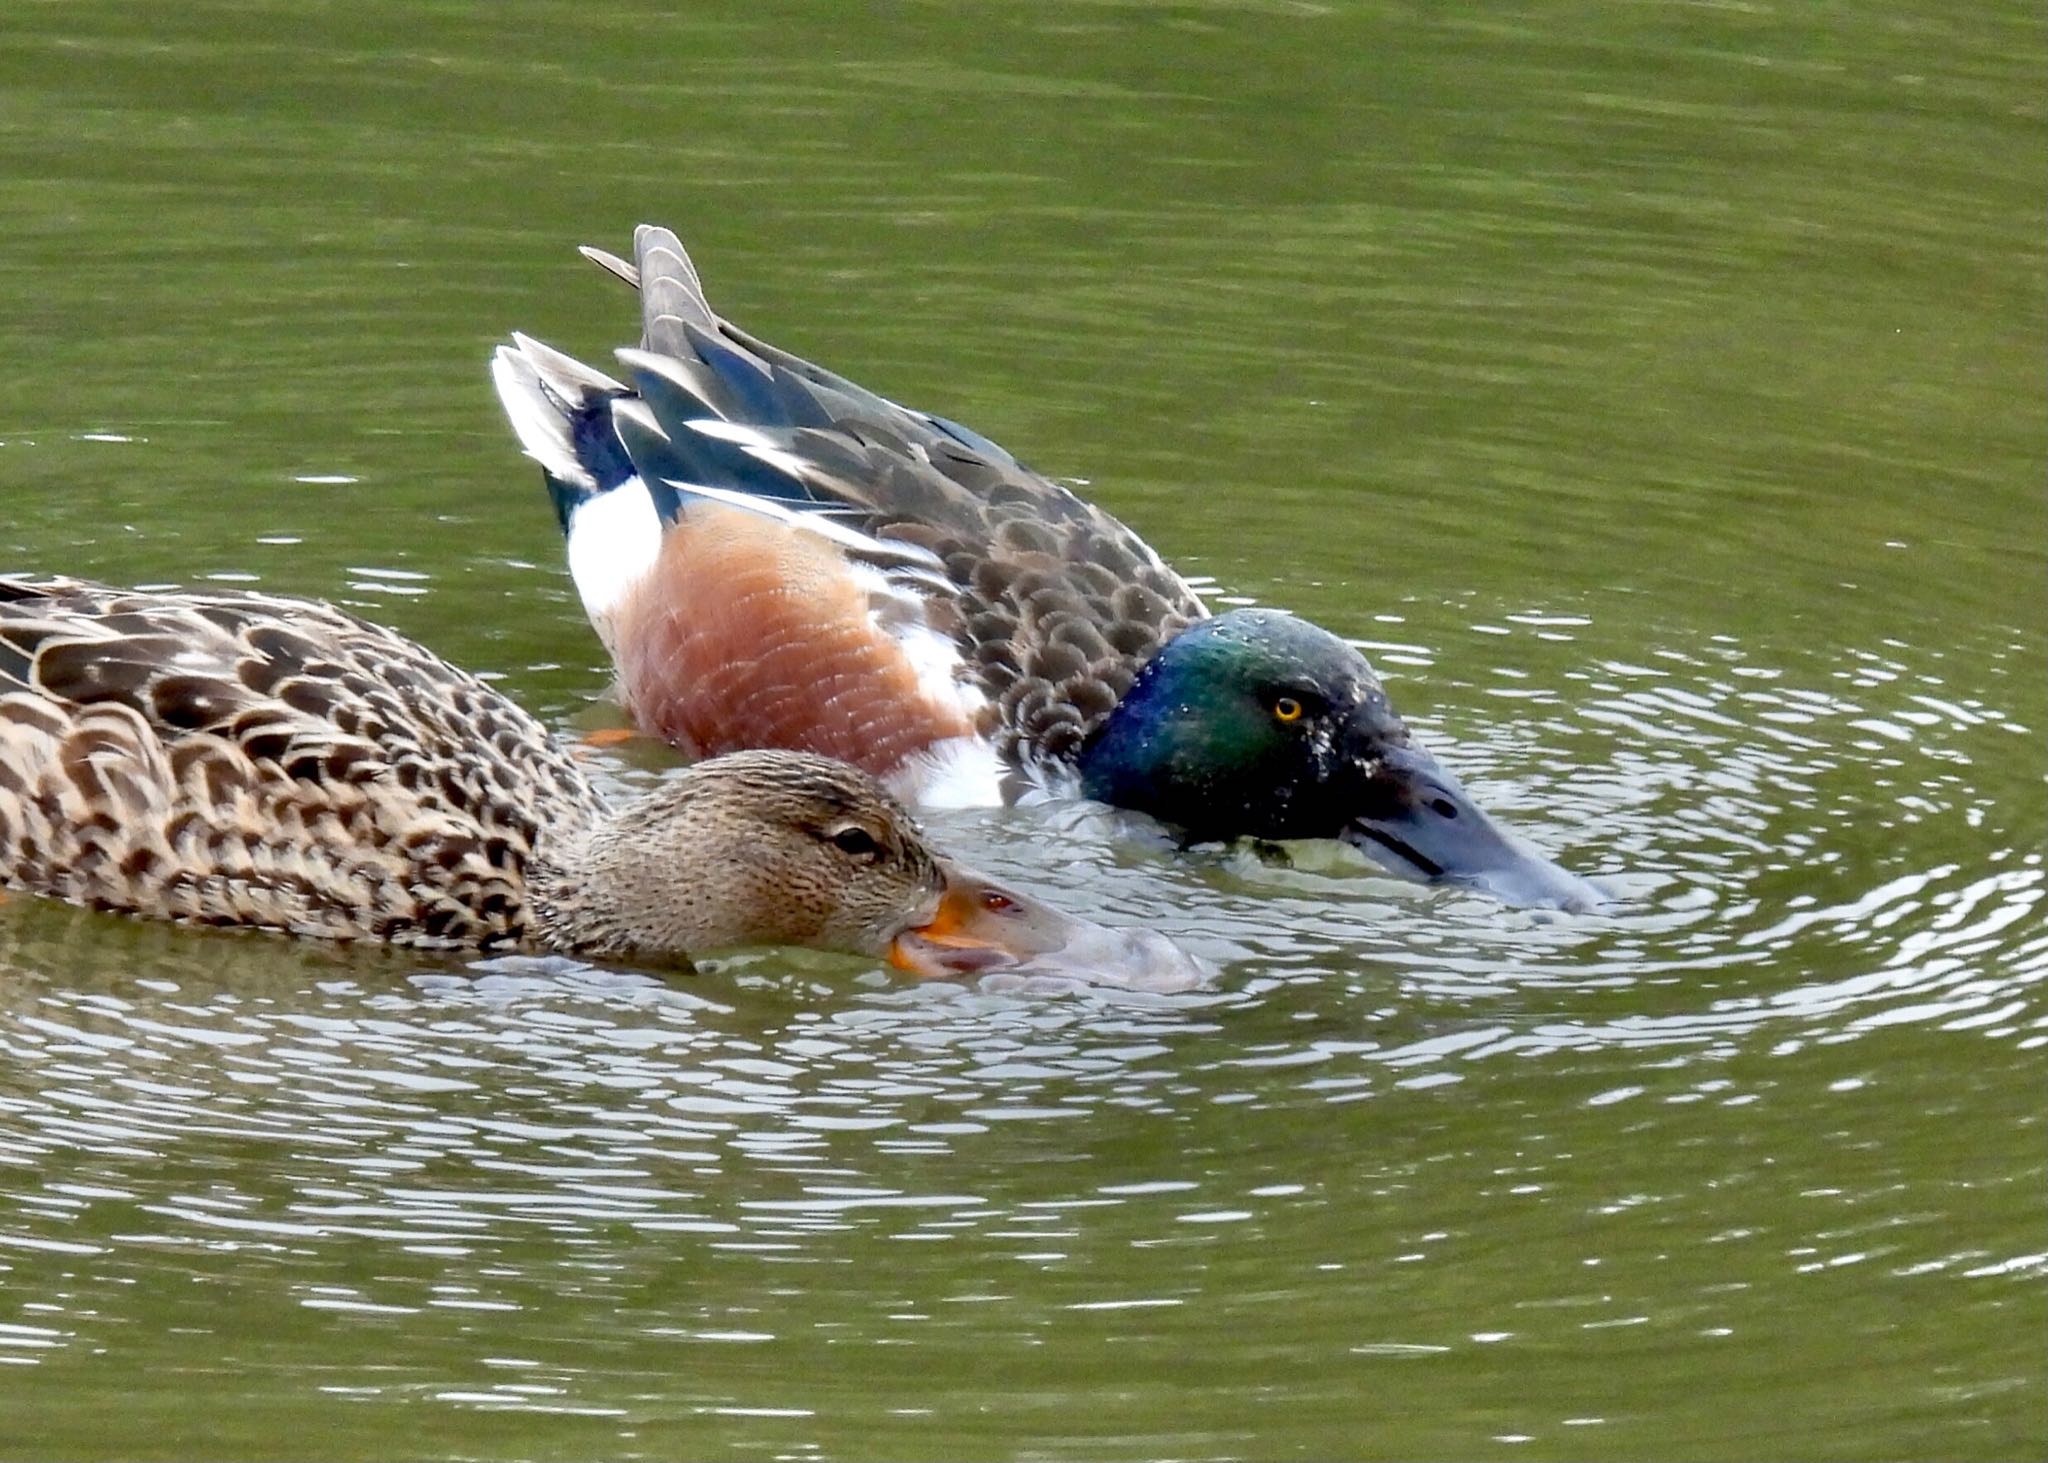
{"x":559,"y":408}
{"x":611,"y":264}
{"x":671,"y":295}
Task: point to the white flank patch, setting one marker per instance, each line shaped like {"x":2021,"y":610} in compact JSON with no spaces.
{"x":936,"y":659}
{"x":960,"y":772}
{"x":1050,"y":782}
{"x":614,"y":540}
{"x":898,"y":611}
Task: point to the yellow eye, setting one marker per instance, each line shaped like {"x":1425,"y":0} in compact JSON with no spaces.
{"x":1287,"y":709}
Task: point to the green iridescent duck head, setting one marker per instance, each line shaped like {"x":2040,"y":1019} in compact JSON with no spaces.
{"x":1258,"y":724}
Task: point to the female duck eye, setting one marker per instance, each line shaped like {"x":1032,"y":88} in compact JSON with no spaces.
{"x":996,"y":903}
{"x":856,"y":841}
{"x":1287,"y":709}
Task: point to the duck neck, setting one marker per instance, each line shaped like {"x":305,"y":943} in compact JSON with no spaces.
{"x":1170,"y":748}
{"x":627,"y":885}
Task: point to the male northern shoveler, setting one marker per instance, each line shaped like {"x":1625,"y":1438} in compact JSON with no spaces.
{"x":233,"y":758}
{"x":778,"y":557}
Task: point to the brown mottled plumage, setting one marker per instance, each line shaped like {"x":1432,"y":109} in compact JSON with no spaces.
{"x":235,"y":758}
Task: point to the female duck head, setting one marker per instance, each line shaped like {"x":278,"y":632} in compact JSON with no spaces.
{"x":1258,"y":724}
{"x":785,"y":848}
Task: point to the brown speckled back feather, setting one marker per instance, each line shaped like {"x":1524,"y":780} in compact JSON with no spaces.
{"x":1058,"y":604}
{"x":228,"y":757}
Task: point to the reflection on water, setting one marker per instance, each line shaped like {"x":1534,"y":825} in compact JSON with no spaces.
{"x":733,"y":1160}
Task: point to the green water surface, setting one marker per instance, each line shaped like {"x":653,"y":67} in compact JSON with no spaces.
{"x":1654,"y":388}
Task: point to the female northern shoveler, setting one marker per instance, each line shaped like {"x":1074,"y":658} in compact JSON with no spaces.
{"x":776,"y":557}
{"x":233,"y":758}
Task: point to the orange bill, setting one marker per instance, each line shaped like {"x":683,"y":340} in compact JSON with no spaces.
{"x":982,"y":926}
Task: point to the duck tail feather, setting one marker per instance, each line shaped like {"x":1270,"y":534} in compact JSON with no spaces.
{"x":572,"y":380}
{"x":611,"y":264}
{"x":671,"y":295}
{"x":844,"y":398}
{"x":540,"y":417}
{"x":561,"y":410}
{"x":748,"y":384}
{"x":653,"y":456}
{"x":678,"y":389}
